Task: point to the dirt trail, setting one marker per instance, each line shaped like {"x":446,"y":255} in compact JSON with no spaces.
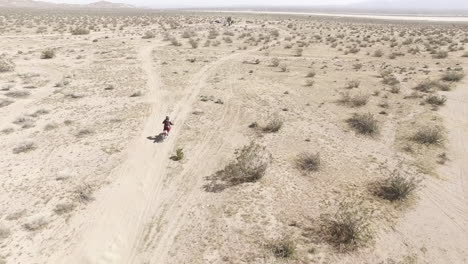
{"x":115,"y":226}
{"x":438,"y":226}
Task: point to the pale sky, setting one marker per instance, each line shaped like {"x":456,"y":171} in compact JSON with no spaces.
{"x":217,"y":3}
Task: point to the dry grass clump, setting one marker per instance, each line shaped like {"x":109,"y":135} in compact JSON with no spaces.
{"x":250,"y":166}
{"x":18,"y":94}
{"x":308,"y":161}
{"x":63,"y":208}
{"x":273,"y":126}
{"x":436,"y":100}
{"x":48,"y":54}
{"x":4,"y":232}
{"x":80,"y":31}
{"x":378,"y":53}
{"x":84,"y":193}
{"x":25,"y":147}
{"x":275,"y":62}
{"x":441,"y":54}
{"x":453,"y":76}
{"x":4,"y":103}
{"x":352,"y":84}
{"x":35,"y":224}
{"x":179,"y":155}
{"x":364,"y":123}
{"x":309,"y":83}
{"x":311,"y":74}
{"x":428,"y":136}
{"x":355,"y":101}
{"x":349,"y":228}
{"x":395,"y":187}
{"x":429,"y":86}
{"x":84,"y":132}
{"x":283,"y":248}
{"x":6,"y":65}
{"x":149,"y":35}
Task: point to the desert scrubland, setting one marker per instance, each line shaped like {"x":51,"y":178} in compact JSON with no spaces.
{"x":296,"y":139}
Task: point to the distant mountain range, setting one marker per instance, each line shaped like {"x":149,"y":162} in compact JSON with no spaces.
{"x":43,"y":5}
{"x":413,"y":5}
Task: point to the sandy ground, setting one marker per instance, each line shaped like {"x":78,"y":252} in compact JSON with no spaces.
{"x":87,"y":179}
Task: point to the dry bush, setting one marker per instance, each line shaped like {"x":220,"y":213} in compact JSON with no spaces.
{"x":311,"y":74}
{"x":149,"y":35}
{"x":309,"y":83}
{"x":193,"y":43}
{"x":275,"y":62}
{"x":428,"y":86}
{"x":84,"y":132}
{"x":175,"y":42}
{"x":364,"y":123}
{"x":378,"y":53}
{"x":25,"y":147}
{"x":4,"y":233}
{"x":436,"y":100}
{"x":179,"y":155}
{"x":273,"y":126}
{"x":355,"y":101}
{"x":4,"y":103}
{"x":35,"y":224}
{"x":48,"y":54}
{"x":80,"y":31}
{"x":352,"y":84}
{"x":6,"y":65}
{"x":84,"y":193}
{"x":349,"y":228}
{"x":63,"y":208}
{"x":395,"y":187}
{"x":441,"y":54}
{"x":283,"y":68}
{"x":250,"y":166}
{"x":298,"y":52}
{"x":428,"y":135}
{"x":390,"y":80}
{"x":453,"y":76}
{"x":308,"y":161}
{"x":283,"y":248}
{"x":18,"y":94}
{"x":136,"y":94}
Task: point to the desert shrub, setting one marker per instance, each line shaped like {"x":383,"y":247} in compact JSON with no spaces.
{"x":283,"y":68}
{"x":311,"y":74}
{"x":84,"y":193}
{"x":212,"y":34}
{"x":378,"y":53}
{"x":352,"y":84}
{"x":349,"y":228}
{"x":429,"y":86}
{"x":175,"y":42}
{"x":298,"y":52}
{"x":395,"y":89}
{"x":309,"y":83}
{"x":308,"y":161}
{"x":63,"y":208}
{"x":179,"y":155}
{"x":395,"y":187}
{"x":18,"y":94}
{"x":250,"y":165}
{"x":452,"y":76}
{"x":436,"y":100}
{"x":283,"y":248}
{"x":149,"y":35}
{"x":4,"y":102}
{"x":441,"y":54}
{"x":193,"y":43}
{"x":273,"y":126}
{"x":428,"y":135}
{"x":390,"y":80}
{"x":84,"y":132}
{"x":48,"y":54}
{"x":35,"y":224}
{"x":275,"y":62}
{"x":80,"y":31}
{"x":4,"y":233}
{"x":25,"y":147}
{"x":364,"y":123}
{"x":355,"y":101}
{"x":136,"y":94}
{"x":6,"y":65}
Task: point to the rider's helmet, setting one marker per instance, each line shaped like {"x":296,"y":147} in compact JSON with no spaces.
{"x":167,"y":117}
